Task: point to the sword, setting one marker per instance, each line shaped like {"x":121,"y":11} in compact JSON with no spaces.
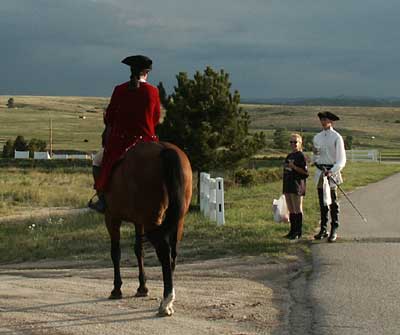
{"x":347,"y":197}
{"x":324,"y":169}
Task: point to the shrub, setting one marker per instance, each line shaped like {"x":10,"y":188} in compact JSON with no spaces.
{"x":8,"y":150}
{"x":248,"y":177}
{"x":36,"y":144}
{"x":10,"y":103}
{"x":20,"y":144}
{"x":245,"y":177}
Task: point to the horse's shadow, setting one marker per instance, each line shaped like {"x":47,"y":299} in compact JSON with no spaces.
{"x":108,"y":318}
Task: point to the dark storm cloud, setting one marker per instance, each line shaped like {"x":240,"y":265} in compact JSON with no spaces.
{"x":270,"y":48}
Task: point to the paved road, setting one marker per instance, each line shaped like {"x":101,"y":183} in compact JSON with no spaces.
{"x":355,"y":287}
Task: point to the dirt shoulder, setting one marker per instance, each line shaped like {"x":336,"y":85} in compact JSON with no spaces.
{"x":243,"y":295}
{"x":41,"y":213}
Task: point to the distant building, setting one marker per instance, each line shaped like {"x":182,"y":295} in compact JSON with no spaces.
{"x":21,"y":154}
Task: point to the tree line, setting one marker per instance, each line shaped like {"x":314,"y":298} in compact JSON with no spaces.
{"x":20,"y":144}
{"x":281,"y":137}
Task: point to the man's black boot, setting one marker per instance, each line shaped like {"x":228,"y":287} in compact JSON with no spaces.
{"x":324,"y":211}
{"x":333,"y":235}
{"x":334,"y":209}
{"x":321,"y":235}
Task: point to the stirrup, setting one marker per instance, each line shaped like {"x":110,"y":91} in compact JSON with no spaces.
{"x":99,"y":206}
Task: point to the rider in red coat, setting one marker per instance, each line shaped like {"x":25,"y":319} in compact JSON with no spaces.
{"x":131,"y":117}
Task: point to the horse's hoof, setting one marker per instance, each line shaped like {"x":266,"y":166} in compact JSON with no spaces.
{"x":141,"y":294}
{"x":166,"y":305}
{"x":165,"y":312}
{"x":115,"y":295}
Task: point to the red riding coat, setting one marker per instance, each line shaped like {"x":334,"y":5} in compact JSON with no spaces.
{"x":131,"y":116}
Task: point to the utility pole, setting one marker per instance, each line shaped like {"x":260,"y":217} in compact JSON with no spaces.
{"x":51,"y":135}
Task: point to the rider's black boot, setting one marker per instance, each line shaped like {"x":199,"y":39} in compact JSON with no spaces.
{"x":100,"y":204}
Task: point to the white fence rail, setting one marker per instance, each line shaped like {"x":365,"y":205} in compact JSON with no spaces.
{"x":59,"y":156}
{"x":212,"y":198}
{"x":41,"y":155}
{"x":21,"y":154}
{"x":362,"y":155}
{"x":77,"y":156}
{"x":46,"y":155}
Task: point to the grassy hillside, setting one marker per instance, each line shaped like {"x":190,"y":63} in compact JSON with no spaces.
{"x":76,"y":119}
{"x":363,"y":123}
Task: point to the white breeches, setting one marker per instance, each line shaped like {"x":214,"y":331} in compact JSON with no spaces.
{"x":98,"y":157}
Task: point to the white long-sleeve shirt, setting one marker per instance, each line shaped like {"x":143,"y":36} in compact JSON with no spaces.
{"x":329,"y":149}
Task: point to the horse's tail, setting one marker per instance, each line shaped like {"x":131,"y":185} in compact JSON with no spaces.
{"x":174,"y":182}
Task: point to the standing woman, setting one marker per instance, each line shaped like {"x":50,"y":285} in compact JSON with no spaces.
{"x":295,"y":173}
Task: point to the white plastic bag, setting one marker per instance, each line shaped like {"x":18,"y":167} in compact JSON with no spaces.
{"x":280,"y":210}
{"x":326,"y":192}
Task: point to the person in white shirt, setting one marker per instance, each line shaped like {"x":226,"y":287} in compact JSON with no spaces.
{"x":329,"y":158}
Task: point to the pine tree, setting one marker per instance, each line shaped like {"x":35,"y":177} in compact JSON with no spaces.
{"x":162,"y":94}
{"x":20,"y":144}
{"x":348,"y":142}
{"x":204,"y":119}
{"x":8,"y":151}
{"x":36,"y":144}
{"x":10,"y":103}
{"x":308,"y":142}
{"x":280,"y":138}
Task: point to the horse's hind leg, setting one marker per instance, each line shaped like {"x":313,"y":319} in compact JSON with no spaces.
{"x":142,"y":291}
{"x":173,"y":244}
{"x":113,"y":227}
{"x":163,"y":250}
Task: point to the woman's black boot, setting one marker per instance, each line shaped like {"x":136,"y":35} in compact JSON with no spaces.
{"x":292,"y":220}
{"x":298,"y":225}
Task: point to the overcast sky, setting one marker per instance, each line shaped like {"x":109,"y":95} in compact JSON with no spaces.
{"x":271,"y":48}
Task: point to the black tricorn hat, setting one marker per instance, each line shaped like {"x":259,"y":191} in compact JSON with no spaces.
{"x":328,"y":115}
{"x":138,"y":62}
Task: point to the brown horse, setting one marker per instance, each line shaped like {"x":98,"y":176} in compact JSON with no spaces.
{"x":152,"y":188}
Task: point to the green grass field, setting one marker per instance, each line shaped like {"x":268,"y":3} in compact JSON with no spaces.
{"x":31,"y":185}
{"x":249,"y":228}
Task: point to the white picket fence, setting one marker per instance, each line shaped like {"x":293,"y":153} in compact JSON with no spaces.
{"x":46,"y":155}
{"x":212,"y":198}
{"x":362,"y":155}
{"x":41,"y":155}
{"x":21,"y":154}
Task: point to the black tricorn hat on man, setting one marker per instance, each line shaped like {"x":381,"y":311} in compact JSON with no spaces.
{"x":138,"y":62}
{"x":328,"y":115}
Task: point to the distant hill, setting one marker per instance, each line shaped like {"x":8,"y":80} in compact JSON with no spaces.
{"x":332,"y":101}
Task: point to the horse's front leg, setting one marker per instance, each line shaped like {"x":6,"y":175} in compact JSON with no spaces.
{"x":142,"y":291}
{"x":113,"y":227}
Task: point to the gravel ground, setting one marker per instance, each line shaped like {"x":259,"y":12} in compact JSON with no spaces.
{"x":246,"y":295}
